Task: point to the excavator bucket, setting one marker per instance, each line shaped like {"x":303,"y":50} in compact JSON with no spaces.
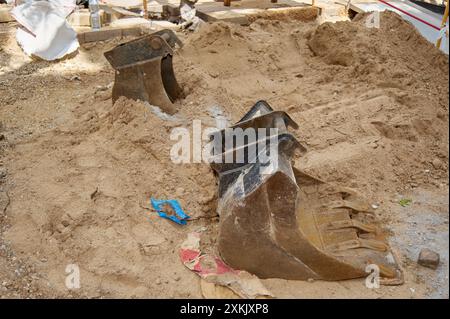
{"x":144,"y":70}
{"x":279,"y":222}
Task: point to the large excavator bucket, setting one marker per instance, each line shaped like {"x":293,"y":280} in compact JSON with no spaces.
{"x":144,"y":70}
{"x":279,"y":222}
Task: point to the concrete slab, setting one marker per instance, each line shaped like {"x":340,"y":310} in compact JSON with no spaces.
{"x":240,"y":11}
{"x":86,"y":35}
{"x":144,"y":23}
{"x":127,"y":4}
{"x":82,"y":18}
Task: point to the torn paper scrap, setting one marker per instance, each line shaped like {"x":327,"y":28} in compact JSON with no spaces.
{"x":214,"y":270}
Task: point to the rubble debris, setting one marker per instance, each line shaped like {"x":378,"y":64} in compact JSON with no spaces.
{"x":428,"y":258}
{"x":144,"y":70}
{"x":213,"y":270}
{"x":276,"y":221}
{"x":170,"y":209}
{"x":46,"y":33}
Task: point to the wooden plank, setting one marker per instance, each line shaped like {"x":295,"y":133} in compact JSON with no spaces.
{"x":107,"y":33}
{"x":127,"y":4}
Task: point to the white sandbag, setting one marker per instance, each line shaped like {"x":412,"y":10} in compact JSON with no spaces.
{"x":47,"y":34}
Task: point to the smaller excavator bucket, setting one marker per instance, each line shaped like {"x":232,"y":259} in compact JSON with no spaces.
{"x":279,"y":222}
{"x":144,"y":70}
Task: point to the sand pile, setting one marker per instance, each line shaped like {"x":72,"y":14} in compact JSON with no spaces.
{"x":376,"y":53}
{"x":372,"y":106}
{"x":360,"y":95}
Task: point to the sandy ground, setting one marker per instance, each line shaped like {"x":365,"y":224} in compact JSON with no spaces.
{"x":76,"y":173}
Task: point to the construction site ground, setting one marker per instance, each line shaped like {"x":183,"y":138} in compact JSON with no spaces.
{"x":77,"y":173}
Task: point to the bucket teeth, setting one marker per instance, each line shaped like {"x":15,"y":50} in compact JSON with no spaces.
{"x":279,"y":222}
{"x":144,"y":70}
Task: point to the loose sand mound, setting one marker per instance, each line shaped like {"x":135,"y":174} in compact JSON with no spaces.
{"x":360,"y":95}
{"x":372,"y":106}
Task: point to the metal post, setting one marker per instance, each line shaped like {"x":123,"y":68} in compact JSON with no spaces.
{"x":443,"y":23}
